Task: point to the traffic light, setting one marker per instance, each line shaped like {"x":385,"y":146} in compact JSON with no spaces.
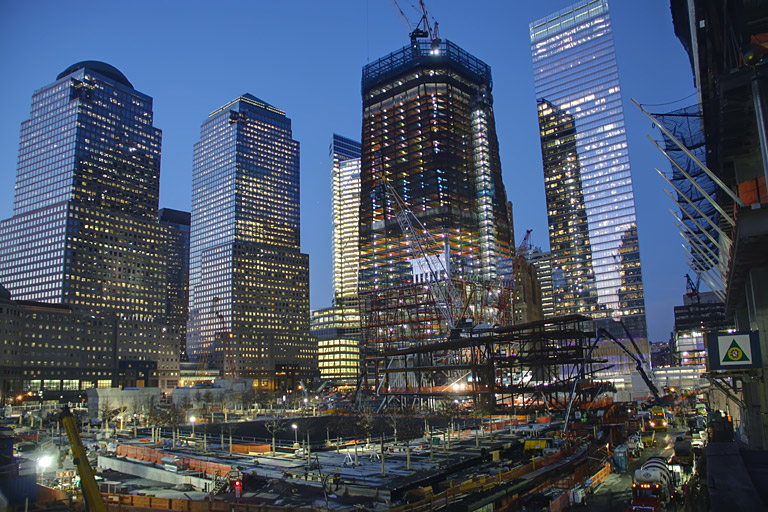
{"x":238,"y":489}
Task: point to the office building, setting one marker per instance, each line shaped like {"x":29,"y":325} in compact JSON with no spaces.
{"x":429,"y":131}
{"x":337,"y":330}
{"x":249,"y":281}
{"x":595,"y":260}
{"x":84,"y":230}
{"x":345,"y":193}
{"x":541,"y":260}
{"x":573,"y":281}
{"x":59,"y":351}
{"x":177,"y":287}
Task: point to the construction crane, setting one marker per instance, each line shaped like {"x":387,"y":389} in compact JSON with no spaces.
{"x":691,"y":288}
{"x":442,"y":290}
{"x":423,"y":29}
{"x":635,"y":356}
{"x":93,"y":500}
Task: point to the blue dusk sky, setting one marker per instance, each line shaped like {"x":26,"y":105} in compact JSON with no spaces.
{"x":306,"y":57}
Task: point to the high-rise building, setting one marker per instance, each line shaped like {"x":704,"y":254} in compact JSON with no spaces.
{"x":428,"y":130}
{"x":177,"y":286}
{"x":84,"y":231}
{"x":345,"y":193}
{"x":573,"y":281}
{"x":541,"y":260}
{"x":249,"y":281}
{"x":337,"y":328}
{"x":595,"y":259}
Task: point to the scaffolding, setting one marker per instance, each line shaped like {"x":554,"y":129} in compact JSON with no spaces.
{"x":527,"y":367}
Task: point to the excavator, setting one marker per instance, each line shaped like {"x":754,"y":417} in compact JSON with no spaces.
{"x":91,"y":495}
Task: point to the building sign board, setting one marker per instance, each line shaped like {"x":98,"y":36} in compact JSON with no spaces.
{"x":733,"y":350}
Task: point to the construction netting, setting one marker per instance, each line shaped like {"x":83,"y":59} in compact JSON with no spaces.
{"x":686,"y":125}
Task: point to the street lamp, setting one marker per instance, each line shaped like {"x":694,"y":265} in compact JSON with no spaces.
{"x":192,"y":421}
{"x":295,"y":428}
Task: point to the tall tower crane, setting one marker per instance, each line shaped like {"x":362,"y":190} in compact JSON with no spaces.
{"x":423,"y":29}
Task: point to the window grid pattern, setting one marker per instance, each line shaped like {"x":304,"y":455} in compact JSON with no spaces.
{"x":428,"y":126}
{"x":249,"y":282}
{"x":575,"y":74}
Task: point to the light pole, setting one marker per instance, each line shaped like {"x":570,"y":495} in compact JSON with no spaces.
{"x":295,"y":428}
{"x":192,"y":420}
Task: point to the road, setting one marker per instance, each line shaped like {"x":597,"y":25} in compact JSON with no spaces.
{"x":615,"y":493}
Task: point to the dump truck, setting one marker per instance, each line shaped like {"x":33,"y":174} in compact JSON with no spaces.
{"x":652,"y":486}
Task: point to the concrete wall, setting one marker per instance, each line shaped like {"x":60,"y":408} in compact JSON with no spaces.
{"x":153,"y":473}
{"x":131,"y":400}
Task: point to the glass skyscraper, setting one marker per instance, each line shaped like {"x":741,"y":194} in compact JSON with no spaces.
{"x":345,"y":193}
{"x":177,"y":286}
{"x":249,"y":281}
{"x":84,"y":230}
{"x":595,"y":259}
{"x":337,"y":328}
{"x":429,"y":130}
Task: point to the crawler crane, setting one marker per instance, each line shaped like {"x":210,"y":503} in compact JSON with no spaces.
{"x":93,"y":500}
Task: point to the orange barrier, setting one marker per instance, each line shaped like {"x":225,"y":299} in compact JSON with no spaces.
{"x":601,"y":475}
{"x":155,"y":456}
{"x":128,"y":503}
{"x":251,"y":448}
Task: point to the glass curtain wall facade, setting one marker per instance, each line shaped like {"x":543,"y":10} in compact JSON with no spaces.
{"x":84,"y":231}
{"x":177,"y":301}
{"x":345,"y":193}
{"x":249,"y":281}
{"x":595,"y":258}
{"x":429,"y":129}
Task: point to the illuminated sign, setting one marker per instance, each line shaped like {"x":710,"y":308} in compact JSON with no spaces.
{"x":733,"y":351}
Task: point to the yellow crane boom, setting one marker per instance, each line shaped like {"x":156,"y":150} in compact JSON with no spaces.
{"x":93,"y":500}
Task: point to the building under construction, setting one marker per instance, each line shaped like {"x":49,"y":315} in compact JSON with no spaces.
{"x":530,"y":367}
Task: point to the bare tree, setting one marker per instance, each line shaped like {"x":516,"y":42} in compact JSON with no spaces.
{"x":207,"y":398}
{"x":186,"y":403}
{"x":449,"y":411}
{"x":410,"y":428}
{"x":106,"y":412}
{"x":364,"y":423}
{"x":392,"y":421}
{"x":486,"y":408}
{"x":275,"y":423}
{"x":154,"y":413}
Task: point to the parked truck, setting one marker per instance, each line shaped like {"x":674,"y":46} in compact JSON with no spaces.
{"x":652,"y":486}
